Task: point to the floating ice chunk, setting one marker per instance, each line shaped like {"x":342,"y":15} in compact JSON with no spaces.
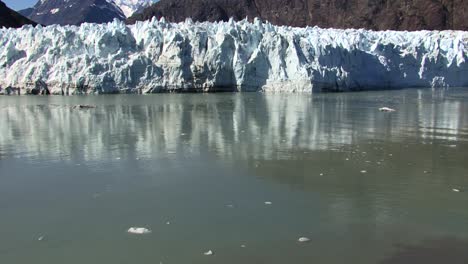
{"x":208,"y":253}
{"x":84,"y":107}
{"x":386,"y":109}
{"x":138,"y":230}
{"x":303,"y":239}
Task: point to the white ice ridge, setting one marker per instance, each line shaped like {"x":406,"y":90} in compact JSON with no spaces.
{"x":156,"y":56}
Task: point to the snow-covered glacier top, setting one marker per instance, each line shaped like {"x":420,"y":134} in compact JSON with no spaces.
{"x":155,"y":56}
{"x":129,"y":7}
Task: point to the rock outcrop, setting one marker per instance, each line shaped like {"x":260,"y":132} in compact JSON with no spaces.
{"x":369,"y":14}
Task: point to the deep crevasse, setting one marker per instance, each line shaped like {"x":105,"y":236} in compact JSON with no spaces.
{"x":156,"y":56}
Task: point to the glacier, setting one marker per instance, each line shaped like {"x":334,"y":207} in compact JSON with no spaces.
{"x":157,"y":56}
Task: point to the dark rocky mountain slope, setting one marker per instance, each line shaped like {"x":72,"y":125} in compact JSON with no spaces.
{"x":370,"y":14}
{"x":9,"y":18}
{"x":73,"y":12}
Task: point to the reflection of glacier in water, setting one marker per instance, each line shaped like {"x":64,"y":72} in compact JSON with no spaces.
{"x":226,"y":125}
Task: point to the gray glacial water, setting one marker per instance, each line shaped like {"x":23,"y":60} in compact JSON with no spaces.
{"x":197,"y":169}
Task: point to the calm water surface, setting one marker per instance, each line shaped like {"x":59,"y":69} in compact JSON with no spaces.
{"x":366,"y":187}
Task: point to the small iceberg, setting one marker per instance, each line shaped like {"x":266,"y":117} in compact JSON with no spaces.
{"x":138,"y":230}
{"x":386,"y":109}
{"x":208,"y":253}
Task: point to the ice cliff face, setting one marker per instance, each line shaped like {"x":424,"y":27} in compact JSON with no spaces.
{"x":155,"y":56}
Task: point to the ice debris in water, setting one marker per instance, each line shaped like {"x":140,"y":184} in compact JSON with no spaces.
{"x":138,"y":230}
{"x":303,"y":239}
{"x":208,"y":253}
{"x":84,"y":107}
{"x":153,"y":56}
{"x":386,"y":109}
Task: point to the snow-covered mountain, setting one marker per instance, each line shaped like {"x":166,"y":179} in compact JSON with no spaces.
{"x":155,"y":56}
{"x":73,"y":12}
{"x":130,"y":7}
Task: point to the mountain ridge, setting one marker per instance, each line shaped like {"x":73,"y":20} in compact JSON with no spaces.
{"x":368,"y":14}
{"x":10,"y":18}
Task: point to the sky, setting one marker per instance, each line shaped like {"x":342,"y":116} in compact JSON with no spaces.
{"x":19,"y":4}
